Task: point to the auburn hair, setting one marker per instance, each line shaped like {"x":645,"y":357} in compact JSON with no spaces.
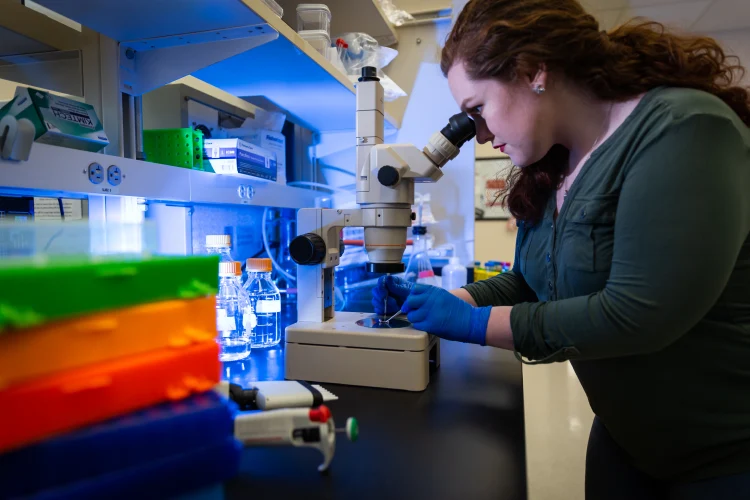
{"x":504,"y":39}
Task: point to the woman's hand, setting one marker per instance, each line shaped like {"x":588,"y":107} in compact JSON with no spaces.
{"x":439,"y":312}
{"x":395,"y":290}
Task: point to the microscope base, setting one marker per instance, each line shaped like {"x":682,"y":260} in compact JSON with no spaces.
{"x":341,"y":352}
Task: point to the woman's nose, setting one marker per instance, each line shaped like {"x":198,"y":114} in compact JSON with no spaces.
{"x":483,"y":133}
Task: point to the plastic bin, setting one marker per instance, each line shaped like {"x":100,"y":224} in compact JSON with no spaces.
{"x":66,"y":401}
{"x":73,"y":343}
{"x":319,"y":39}
{"x":156,"y":433}
{"x":276,"y":8}
{"x":314,"y":17}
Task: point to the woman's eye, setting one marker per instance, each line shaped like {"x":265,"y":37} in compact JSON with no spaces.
{"x":476,"y":110}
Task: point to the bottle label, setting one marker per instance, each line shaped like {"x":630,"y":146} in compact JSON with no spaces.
{"x":249,"y":320}
{"x":224,"y":323}
{"x":268,"y":306}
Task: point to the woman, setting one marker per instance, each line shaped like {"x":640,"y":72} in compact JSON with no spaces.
{"x":632,"y":256}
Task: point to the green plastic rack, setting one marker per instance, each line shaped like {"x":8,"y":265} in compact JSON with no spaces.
{"x":36,"y":291}
{"x":179,"y":147}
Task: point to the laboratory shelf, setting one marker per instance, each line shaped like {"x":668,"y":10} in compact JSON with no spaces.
{"x":25,"y":31}
{"x":57,"y":171}
{"x":287,"y":71}
{"x":210,"y":188}
{"x":347,"y":16}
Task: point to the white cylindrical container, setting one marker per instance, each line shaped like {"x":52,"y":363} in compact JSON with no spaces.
{"x":454,"y":275}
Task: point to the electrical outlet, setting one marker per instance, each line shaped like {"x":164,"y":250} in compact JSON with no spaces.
{"x":114,"y":175}
{"x":96,"y":173}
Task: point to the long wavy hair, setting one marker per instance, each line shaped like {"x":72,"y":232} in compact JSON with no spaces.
{"x":506,"y":38}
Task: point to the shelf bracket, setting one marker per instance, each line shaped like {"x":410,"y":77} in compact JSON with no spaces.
{"x":150,"y":63}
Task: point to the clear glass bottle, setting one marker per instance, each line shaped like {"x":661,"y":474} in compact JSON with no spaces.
{"x":234,"y":314}
{"x":419,"y":270}
{"x":219,"y":244}
{"x":265,"y":300}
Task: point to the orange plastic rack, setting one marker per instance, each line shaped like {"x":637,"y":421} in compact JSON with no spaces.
{"x":65,"y":401}
{"x":73,"y":343}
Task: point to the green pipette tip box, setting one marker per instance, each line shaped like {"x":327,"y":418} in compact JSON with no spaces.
{"x":179,"y":147}
{"x":37,"y":291}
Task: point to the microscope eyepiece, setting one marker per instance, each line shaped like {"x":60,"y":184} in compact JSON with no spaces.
{"x":460,"y":129}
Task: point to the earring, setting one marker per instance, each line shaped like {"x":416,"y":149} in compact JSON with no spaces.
{"x":539,"y":90}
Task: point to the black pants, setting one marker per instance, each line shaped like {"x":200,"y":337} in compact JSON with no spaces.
{"x":610,"y":476}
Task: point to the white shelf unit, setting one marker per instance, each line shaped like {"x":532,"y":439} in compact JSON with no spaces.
{"x":57,"y":171}
{"x":286,"y":71}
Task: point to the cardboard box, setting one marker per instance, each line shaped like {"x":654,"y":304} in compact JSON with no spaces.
{"x":235,"y":156}
{"x":58,"y":121}
{"x":276,"y":143}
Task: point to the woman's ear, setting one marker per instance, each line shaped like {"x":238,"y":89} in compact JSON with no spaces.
{"x":538,"y":79}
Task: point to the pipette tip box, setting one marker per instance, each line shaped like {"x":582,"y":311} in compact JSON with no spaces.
{"x":66,"y":401}
{"x":157,"y":479}
{"x":156,"y":433}
{"x":73,"y":343}
{"x":39,"y":290}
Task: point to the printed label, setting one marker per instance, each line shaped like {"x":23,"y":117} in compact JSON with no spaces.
{"x":249,"y":321}
{"x":268,"y":306}
{"x":73,"y":117}
{"x":224,"y":323}
{"x":252,"y":158}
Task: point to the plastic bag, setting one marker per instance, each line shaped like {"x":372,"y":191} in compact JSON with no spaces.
{"x":359,"y":50}
{"x":363,"y":50}
{"x":396,"y":16}
{"x":264,"y":120}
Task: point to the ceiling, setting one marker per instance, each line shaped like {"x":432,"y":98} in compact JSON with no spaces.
{"x":694,"y":15}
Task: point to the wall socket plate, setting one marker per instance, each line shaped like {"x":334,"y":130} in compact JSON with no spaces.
{"x":114,"y":175}
{"x":96,"y":173}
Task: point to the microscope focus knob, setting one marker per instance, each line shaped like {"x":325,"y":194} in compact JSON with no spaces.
{"x":307,"y":249}
{"x":388,"y":176}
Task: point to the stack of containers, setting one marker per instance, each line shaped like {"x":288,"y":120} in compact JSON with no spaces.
{"x":314,"y":25}
{"x":106,"y":371}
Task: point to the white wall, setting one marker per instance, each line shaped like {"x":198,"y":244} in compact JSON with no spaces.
{"x":737,"y":43}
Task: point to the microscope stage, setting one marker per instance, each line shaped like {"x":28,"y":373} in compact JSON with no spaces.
{"x":343,"y":331}
{"x":342,"y":352}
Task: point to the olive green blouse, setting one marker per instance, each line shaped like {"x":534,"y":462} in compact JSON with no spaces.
{"x":643,"y":282}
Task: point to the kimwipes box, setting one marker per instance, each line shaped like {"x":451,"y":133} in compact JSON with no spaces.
{"x":235,"y":156}
{"x":58,"y":121}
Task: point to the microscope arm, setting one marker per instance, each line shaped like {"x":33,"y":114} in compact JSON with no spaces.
{"x":406,"y":160}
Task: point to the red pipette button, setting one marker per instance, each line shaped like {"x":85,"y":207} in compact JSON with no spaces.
{"x":320,"y":414}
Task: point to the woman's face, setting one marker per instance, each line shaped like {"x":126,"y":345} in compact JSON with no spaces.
{"x":509,"y":115}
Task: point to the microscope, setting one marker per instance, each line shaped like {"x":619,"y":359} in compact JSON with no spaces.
{"x":356,"y":348}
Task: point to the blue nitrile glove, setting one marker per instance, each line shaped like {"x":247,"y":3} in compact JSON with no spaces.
{"x":439,"y":312}
{"x":396,"y":289}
